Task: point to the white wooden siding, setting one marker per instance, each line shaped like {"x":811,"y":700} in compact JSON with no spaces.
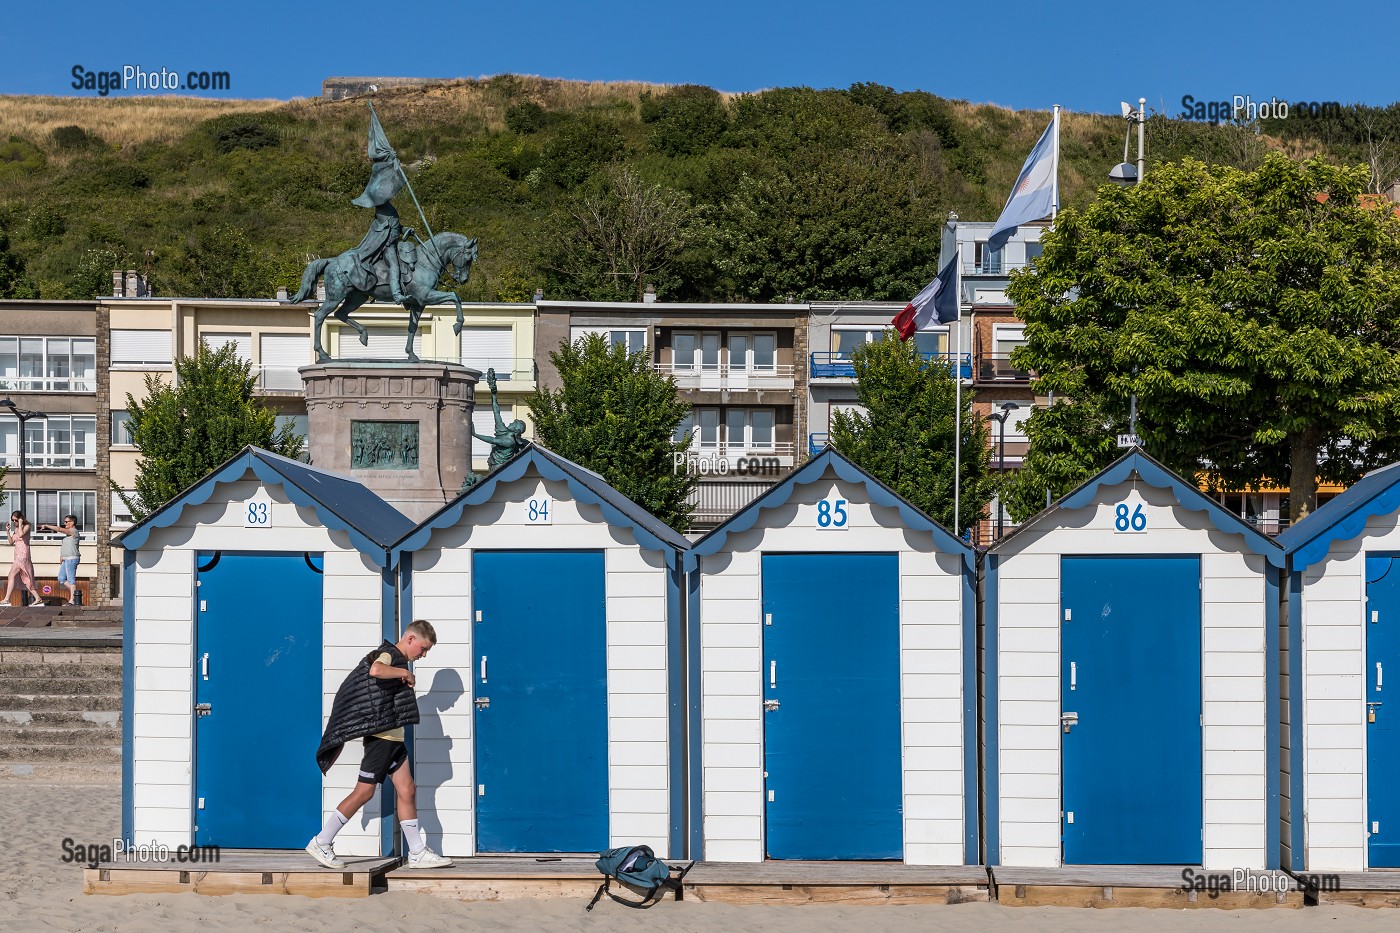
{"x":637,"y":644}
{"x":931,"y":673}
{"x":163,"y":679}
{"x":1232,"y":671}
{"x":1333,"y":610}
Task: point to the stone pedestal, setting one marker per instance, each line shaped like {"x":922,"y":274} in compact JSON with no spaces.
{"x":403,"y":429}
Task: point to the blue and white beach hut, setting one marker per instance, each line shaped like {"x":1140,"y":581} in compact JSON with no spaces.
{"x":833,"y":678}
{"x":1344,"y":640}
{"x":553,"y":704}
{"x":1131,"y":655}
{"x":248,"y":598}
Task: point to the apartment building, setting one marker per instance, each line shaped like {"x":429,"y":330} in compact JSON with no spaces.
{"x":741,"y":367}
{"x":51,"y":377}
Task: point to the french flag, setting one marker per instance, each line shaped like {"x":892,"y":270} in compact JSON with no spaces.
{"x":937,"y":302}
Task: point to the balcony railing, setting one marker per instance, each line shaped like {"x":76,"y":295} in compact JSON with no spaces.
{"x":828,"y":365}
{"x":996,"y":367}
{"x":53,"y":461}
{"x":279,"y":378}
{"x":717,"y":377}
{"x":782,"y":450}
{"x":48,"y":384}
{"x":816,"y":443}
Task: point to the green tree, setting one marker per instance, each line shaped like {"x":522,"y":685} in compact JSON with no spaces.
{"x":13,"y":282}
{"x":186,"y":430}
{"x":1255,"y":314}
{"x":905,"y":436}
{"x":1069,"y":443}
{"x":617,"y":416}
{"x":618,"y":234}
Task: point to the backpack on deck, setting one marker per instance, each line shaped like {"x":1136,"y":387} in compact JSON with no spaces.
{"x":637,"y":867}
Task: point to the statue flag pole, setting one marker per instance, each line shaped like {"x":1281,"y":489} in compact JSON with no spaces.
{"x":409,"y":185}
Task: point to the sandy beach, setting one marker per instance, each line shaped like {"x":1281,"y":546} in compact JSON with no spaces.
{"x":39,"y":892}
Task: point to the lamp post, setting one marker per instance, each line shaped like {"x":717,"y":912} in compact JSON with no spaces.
{"x":1000,"y":418}
{"x":1125,"y":173}
{"x":7,"y":405}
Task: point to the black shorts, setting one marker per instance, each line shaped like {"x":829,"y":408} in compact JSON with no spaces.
{"x":382,"y":758}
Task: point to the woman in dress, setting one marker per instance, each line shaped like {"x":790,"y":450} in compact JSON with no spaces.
{"x":23,"y":565}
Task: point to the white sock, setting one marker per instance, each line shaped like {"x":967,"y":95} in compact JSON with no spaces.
{"x":414,"y":835}
{"x":334,"y":823}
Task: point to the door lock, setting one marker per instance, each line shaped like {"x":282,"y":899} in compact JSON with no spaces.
{"x":202,"y":709}
{"x":770,"y":705}
{"x":1069,"y":719}
{"x":483,"y":702}
{"x":1371,"y":710}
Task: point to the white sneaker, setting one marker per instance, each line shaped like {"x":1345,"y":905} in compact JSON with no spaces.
{"x":428,"y":859}
{"x":323,"y":854}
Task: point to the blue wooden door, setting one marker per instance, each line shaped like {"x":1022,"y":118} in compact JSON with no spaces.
{"x":831,"y":727}
{"x":1131,"y":673}
{"x":257,"y":675}
{"x":540,"y":685}
{"x":1383,"y":719}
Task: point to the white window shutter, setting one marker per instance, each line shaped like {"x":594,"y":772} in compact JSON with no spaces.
{"x":141,"y":348}
{"x":485,"y":348}
{"x":385,"y":343}
{"x":242,"y":344}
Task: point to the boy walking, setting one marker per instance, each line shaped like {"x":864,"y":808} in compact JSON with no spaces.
{"x":375,"y":703}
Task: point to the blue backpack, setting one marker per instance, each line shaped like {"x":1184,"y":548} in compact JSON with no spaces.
{"x":637,"y":867}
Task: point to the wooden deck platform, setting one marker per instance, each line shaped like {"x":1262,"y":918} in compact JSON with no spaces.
{"x":1356,"y":888}
{"x":487,"y":878}
{"x":241,"y":871}
{"x":1140,"y":886}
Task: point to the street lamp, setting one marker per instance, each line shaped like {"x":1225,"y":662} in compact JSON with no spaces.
{"x":22,"y":415}
{"x":1125,"y":173}
{"x":1000,"y":418}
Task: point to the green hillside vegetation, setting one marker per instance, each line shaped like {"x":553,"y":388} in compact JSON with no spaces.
{"x":588,"y":191}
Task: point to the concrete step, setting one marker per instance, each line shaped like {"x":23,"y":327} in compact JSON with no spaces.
{"x":11,"y":736}
{"x":26,"y":670}
{"x":95,"y":718}
{"x":35,"y":703}
{"x":61,"y":773}
{"x":90,"y":753}
{"x":60,"y":686}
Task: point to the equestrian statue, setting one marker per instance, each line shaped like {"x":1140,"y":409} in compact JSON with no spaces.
{"x":388,"y":265}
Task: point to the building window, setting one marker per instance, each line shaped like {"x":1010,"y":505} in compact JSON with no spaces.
{"x":48,"y":506}
{"x":1006,"y":338}
{"x":484,"y":348}
{"x":299,"y":426}
{"x":385,"y":343}
{"x":757,"y":352}
{"x":282,"y":355}
{"x":242,"y":344}
{"x":749,"y":429}
{"x":696,"y":352}
{"x":634,"y":340}
{"x":987,"y":260}
{"x":61,"y":441}
{"x":702,"y":425}
{"x":121,"y":514}
{"x":121,"y":428}
{"x":1033,"y":251}
{"x":48,"y":364}
{"x":1015,"y":421}
{"x":847,"y":340}
{"x":147,"y":348}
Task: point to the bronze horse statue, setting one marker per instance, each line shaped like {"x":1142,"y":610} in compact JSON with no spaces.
{"x":433,"y":258}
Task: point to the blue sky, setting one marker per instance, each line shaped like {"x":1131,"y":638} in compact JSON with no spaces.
{"x":1085,"y":56}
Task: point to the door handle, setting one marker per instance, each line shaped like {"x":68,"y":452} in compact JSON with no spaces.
{"x":483,"y":668}
{"x":204,"y":666}
{"x":1378,"y":677}
{"x":1073,"y":675}
{"x":773,"y":674}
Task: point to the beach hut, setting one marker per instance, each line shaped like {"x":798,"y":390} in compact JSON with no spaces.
{"x":248,"y":598}
{"x":1131,"y":680}
{"x":552,"y":704}
{"x":831,"y":657}
{"x":1343,"y":642}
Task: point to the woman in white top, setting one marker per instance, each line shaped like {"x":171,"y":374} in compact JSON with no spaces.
{"x":67,"y":556}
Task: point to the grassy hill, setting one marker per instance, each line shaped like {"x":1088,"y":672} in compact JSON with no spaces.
{"x":585,"y":190}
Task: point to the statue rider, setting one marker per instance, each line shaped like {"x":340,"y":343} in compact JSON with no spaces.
{"x":382,"y":241}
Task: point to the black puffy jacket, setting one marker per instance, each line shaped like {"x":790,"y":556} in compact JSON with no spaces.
{"x":366,"y":705}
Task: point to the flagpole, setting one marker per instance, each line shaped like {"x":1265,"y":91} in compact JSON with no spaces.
{"x":1055,"y":204}
{"x":957,"y":399}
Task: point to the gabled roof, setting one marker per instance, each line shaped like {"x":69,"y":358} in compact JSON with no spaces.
{"x":1342,"y":518}
{"x":1138,"y":464}
{"x":812,"y":472}
{"x":339,"y":503}
{"x":585,"y":486}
